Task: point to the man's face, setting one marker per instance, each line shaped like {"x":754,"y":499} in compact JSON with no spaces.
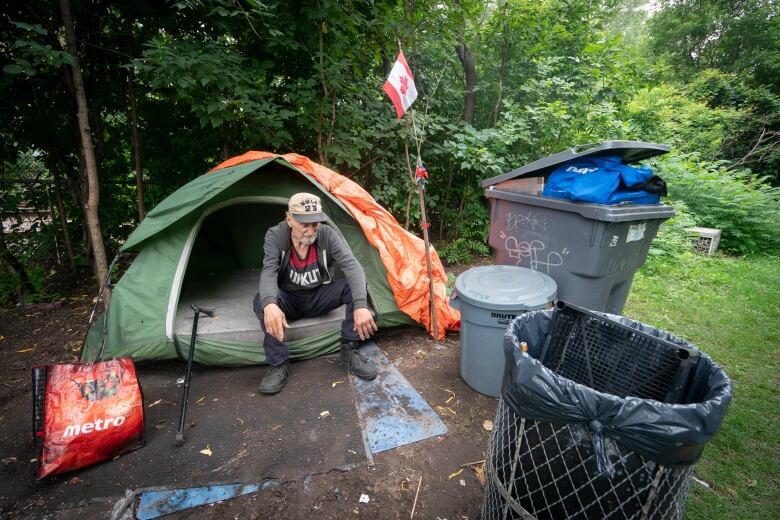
{"x":305,"y":234}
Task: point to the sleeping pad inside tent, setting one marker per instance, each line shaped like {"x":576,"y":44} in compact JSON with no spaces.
{"x":203,"y":245}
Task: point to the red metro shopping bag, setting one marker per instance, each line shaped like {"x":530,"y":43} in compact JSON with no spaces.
{"x":91,"y":412}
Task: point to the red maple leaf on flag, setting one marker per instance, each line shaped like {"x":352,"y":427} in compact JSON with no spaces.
{"x":404,"y":85}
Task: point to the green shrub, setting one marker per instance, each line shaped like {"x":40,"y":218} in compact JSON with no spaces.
{"x":744,"y":207}
{"x":464,"y":249}
{"x":672,"y":239}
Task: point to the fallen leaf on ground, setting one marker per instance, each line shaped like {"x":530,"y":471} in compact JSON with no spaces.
{"x":200,"y":400}
{"x":404,"y":485}
{"x":333,"y":385}
{"x":2,"y":338}
{"x":206,"y":451}
{"x":479,"y":471}
{"x":239,"y":419}
{"x":324,"y":414}
{"x":154,"y":403}
{"x":26,"y":349}
{"x":451,"y":475}
{"x":488,"y":425}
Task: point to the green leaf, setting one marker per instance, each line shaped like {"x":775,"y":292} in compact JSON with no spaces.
{"x":13,"y":69}
{"x":27,"y":27}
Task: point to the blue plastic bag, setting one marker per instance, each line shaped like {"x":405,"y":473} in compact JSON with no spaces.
{"x":600,"y":180}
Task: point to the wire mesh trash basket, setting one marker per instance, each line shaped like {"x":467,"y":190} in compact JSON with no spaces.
{"x":539,"y":470}
{"x":561,"y":449}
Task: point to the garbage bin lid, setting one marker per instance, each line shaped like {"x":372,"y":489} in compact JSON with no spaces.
{"x":506,"y":287}
{"x":628,"y":151}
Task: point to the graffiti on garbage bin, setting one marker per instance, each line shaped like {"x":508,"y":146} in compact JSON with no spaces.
{"x":538,"y":258}
{"x":526,"y":221}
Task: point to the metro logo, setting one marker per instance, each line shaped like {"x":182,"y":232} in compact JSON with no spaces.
{"x":89,"y":427}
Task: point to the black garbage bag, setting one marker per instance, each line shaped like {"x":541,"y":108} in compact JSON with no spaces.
{"x":673,"y":435}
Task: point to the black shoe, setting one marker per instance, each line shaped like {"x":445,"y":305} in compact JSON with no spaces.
{"x":275,"y":378}
{"x":355,"y":361}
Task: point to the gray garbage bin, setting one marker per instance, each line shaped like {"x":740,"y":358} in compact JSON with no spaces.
{"x":489,"y":297}
{"x":592,"y":251}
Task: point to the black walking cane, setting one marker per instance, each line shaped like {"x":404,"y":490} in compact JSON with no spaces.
{"x":198,"y":312}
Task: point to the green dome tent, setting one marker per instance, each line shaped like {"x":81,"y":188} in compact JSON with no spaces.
{"x":203,"y":245}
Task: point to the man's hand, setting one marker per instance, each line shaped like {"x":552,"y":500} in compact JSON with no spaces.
{"x":364,"y":323}
{"x":275,"y":321}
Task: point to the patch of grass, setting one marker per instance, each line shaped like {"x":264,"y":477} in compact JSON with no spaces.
{"x":730,"y":309}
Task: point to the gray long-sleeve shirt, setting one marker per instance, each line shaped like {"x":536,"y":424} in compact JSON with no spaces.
{"x":330,"y":246}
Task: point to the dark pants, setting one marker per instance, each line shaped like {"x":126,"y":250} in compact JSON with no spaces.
{"x":307,"y":304}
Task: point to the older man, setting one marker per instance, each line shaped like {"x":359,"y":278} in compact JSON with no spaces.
{"x":296,"y":282}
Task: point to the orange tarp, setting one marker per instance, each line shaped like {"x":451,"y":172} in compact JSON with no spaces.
{"x":402,"y":253}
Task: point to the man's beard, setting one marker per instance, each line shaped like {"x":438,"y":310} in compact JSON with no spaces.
{"x":308,"y":240}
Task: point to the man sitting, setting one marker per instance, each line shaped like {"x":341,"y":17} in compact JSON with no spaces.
{"x":296,"y":282}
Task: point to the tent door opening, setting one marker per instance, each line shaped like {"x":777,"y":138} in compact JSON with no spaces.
{"x":223,"y":273}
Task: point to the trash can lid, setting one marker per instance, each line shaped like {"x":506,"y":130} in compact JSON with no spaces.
{"x":506,"y":287}
{"x":629,"y":151}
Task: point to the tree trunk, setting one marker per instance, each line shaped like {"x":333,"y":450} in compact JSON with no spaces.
{"x":470,"y":74}
{"x":387,"y":61}
{"x":412,"y":183}
{"x":134,"y":137}
{"x":63,"y":217}
{"x":501,"y":73}
{"x":92,"y":198}
{"x":53,"y":166}
{"x":15,"y":268}
{"x":446,"y":204}
{"x":321,"y":123}
{"x":54,"y":230}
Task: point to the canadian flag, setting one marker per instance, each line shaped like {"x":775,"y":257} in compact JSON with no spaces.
{"x":399,"y":86}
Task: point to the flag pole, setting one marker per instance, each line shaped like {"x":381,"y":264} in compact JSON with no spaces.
{"x":421,"y":174}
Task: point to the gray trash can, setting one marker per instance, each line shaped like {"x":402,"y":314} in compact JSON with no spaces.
{"x":489,"y":297}
{"x":592,"y":251}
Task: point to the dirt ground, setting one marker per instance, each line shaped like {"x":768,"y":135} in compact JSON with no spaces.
{"x":449,"y":485}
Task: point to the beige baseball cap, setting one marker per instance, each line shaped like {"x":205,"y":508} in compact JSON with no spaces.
{"x":306,"y":208}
